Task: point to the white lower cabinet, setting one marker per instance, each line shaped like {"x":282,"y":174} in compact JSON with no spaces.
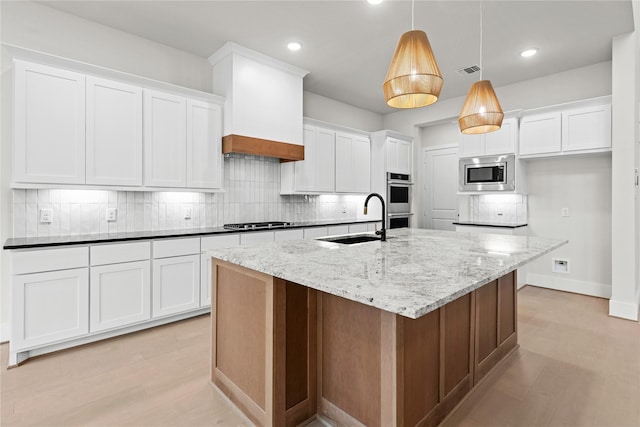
{"x":176,"y":285}
{"x":357,"y":228}
{"x":120,"y":295}
{"x":334,"y":230}
{"x":49,"y":307}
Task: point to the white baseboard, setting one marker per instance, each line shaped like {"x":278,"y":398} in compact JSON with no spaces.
{"x":624,"y":310}
{"x":569,"y":285}
{"x":5,"y":332}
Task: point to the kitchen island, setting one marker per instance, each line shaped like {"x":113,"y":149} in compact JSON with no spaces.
{"x":388,"y":333}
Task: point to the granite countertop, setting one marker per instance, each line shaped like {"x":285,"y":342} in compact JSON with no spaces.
{"x":80,"y":239}
{"x":492,"y":224}
{"x":414,"y":272}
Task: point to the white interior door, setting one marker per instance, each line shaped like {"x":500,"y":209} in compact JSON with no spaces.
{"x":440,"y":188}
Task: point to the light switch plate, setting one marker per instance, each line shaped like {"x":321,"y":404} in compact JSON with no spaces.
{"x":46,"y":216}
{"x":564,"y":212}
{"x":112,"y":214}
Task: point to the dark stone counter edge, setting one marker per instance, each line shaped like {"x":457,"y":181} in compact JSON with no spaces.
{"x":479,"y":224}
{"x":83,"y":239}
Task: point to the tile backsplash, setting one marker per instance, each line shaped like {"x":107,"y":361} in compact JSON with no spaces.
{"x":252,"y":193}
{"x":493,"y":208}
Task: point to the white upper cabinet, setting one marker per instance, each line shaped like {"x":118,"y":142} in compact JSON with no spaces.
{"x":502,"y":141}
{"x":540,"y":134}
{"x":316,"y":173}
{"x":73,"y":129}
{"x":398,"y":153}
{"x":353,"y":163}
{"x":49,"y":125}
{"x":204,"y":144}
{"x":165,"y":139}
{"x":582,"y":127}
{"x":335,"y":161}
{"x":587,"y":128}
{"x":114,"y":133}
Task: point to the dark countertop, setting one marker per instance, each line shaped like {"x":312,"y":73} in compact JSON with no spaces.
{"x":80,"y":239}
{"x":488,"y":224}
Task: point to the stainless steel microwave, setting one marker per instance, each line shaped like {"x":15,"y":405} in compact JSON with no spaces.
{"x":491,"y":173}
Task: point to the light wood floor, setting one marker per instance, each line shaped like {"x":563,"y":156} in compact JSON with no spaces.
{"x":575,"y":367}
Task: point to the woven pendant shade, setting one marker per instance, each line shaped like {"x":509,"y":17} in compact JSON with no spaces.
{"x":413,"y":79}
{"x":481,"y":112}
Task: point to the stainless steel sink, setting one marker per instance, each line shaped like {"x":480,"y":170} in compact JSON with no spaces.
{"x":351,"y":239}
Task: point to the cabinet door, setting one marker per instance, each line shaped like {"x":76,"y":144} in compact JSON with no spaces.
{"x":540,"y":134}
{"x":306,"y":170}
{"x":361,"y":167}
{"x":176,"y":285}
{"x":471,"y":145}
{"x":398,"y":156}
{"x":114,"y":133}
{"x":204,"y":145}
{"x":50,"y":307}
{"x":120,"y":295}
{"x":212,"y":242}
{"x":404,"y":157}
{"x":325,"y":165}
{"x":49,"y":125}
{"x":586,"y":128}
{"x":344,"y":163}
{"x":165,"y":140}
{"x":391,"y":155}
{"x":502,"y":141}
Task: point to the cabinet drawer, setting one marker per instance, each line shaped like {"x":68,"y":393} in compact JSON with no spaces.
{"x":50,"y":259}
{"x":257,"y":237}
{"x":335,"y":230}
{"x":357,"y":228}
{"x":283,"y":235}
{"x":176,"y":247}
{"x":121,"y":252}
{"x":222,"y":241}
{"x":312,"y":233}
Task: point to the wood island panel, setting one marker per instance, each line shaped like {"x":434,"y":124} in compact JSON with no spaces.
{"x":316,"y":353}
{"x":351,"y":358}
{"x":422,"y":361}
{"x":242,"y":314}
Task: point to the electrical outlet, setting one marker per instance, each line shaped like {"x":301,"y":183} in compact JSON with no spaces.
{"x":46,"y":216}
{"x":564,"y":212}
{"x":112,"y":214}
{"x":187,"y":213}
{"x":344,"y":209}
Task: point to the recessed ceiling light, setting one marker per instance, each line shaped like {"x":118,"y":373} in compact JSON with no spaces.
{"x":529,"y":52}
{"x":293,"y":46}
{"x":374,"y":1}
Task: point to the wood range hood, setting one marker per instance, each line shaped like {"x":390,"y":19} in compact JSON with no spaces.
{"x":262,"y":147}
{"x":263,"y":103}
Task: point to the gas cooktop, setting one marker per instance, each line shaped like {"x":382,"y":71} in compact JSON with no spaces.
{"x":258,"y":225}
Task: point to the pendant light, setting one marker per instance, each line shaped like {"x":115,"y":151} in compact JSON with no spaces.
{"x":413,"y":79}
{"x":481,"y":111}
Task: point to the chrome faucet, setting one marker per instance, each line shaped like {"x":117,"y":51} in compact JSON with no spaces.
{"x":382,"y":232}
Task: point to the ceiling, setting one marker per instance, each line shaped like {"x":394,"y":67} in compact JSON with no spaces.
{"x":347,"y":45}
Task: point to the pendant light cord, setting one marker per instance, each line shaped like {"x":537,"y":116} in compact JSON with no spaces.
{"x":481,"y":41}
{"x":413,"y":6}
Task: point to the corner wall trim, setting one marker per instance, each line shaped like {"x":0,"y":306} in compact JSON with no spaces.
{"x":624,"y":310}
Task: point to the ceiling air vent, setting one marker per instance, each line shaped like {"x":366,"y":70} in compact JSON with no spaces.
{"x":468,"y":70}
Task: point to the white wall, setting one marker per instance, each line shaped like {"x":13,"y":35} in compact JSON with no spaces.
{"x":331,"y":111}
{"x":582,"y":184}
